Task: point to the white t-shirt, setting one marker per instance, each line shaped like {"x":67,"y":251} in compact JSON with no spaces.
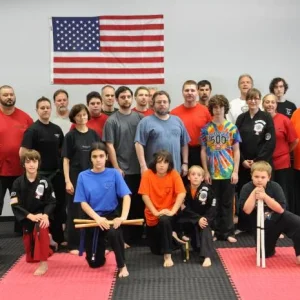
{"x":237,"y":106}
{"x":63,"y":123}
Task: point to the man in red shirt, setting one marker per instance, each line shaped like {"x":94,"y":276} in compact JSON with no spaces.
{"x":194,"y":117}
{"x":98,"y":119}
{"x":141,"y":96}
{"x":13,"y":123}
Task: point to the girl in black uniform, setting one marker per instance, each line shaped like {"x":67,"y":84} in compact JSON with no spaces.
{"x":76,"y":149}
{"x":257,"y":131}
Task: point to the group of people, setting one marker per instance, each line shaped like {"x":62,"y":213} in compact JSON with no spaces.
{"x":186,"y":171}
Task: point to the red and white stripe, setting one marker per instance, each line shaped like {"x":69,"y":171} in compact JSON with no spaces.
{"x":131,"y":52}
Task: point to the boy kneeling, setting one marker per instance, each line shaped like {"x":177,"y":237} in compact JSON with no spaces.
{"x":277,"y":219}
{"x":32,"y":201}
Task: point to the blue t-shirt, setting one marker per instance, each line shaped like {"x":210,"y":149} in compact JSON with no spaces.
{"x":101,"y":190}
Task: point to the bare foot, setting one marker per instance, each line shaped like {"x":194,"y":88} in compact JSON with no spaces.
{"x":214,"y":239}
{"x":298,"y":260}
{"x":207,"y":262}
{"x":281,"y":236}
{"x":64,"y":244}
{"x":185,"y":238}
{"x":42,"y":269}
{"x":123,"y":272}
{"x":231,"y":239}
{"x":106,"y":252}
{"x":175,"y":236}
{"x":213,"y":233}
{"x":74,"y":252}
{"x":168,"y":261}
{"x":126,"y":246}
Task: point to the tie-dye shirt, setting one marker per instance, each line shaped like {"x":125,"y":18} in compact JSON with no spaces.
{"x":219,"y":141}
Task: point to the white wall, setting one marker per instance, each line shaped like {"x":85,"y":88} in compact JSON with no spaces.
{"x":215,"y":40}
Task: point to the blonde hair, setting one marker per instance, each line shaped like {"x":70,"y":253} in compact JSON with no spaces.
{"x":196,"y":167}
{"x":270,"y":94}
{"x":261,"y":166}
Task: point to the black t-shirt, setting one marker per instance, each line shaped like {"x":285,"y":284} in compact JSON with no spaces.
{"x":109,"y":113}
{"x":286,"y":108}
{"x":47,"y":139}
{"x":77,"y":146}
{"x":33,"y":197}
{"x":258,"y":136}
{"x":273,"y":189}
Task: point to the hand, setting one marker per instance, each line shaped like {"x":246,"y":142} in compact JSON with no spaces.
{"x":102,"y":222}
{"x":34,"y":218}
{"x":117,"y":222}
{"x":184,"y":170}
{"x":69,"y":188}
{"x":121,"y":171}
{"x":247,"y":164}
{"x":260,"y":193}
{"x":234,"y":178}
{"x":144,"y":168}
{"x":182,"y":206}
{"x":44,"y":222}
{"x":207,"y":178}
{"x":166,"y":212}
{"x":203,"y":222}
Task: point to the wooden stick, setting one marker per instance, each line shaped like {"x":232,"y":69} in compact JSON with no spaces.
{"x":136,"y":222}
{"x":86,"y":221}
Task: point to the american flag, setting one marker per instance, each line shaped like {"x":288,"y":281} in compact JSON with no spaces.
{"x":119,"y":50}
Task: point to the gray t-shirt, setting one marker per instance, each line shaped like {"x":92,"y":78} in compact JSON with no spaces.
{"x":120,"y":129}
{"x":156,"y":134}
{"x":64,"y":123}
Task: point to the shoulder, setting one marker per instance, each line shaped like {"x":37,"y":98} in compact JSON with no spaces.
{"x":177,"y":109}
{"x":273,"y":186}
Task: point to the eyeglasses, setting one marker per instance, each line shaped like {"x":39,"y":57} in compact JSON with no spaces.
{"x":254,"y":99}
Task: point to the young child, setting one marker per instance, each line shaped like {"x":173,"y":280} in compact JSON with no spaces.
{"x":277,"y":219}
{"x":32,"y":202}
{"x":198,"y":213}
{"x":163,"y":192}
{"x":220,"y":156}
{"x":98,"y":190}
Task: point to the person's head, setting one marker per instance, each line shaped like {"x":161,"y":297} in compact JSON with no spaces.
{"x":94,"y":103}
{"x":30,"y":160}
{"x":43,"y":108}
{"x":278,"y":86}
{"x":204,"y":91}
{"x":253,"y":99}
{"x":189,"y":91}
{"x":79,"y":114}
{"x":141,"y":96}
{"x":162,"y":163}
{"x":218,"y":105}
{"x":152,"y":90}
{"x":261,"y":172}
{"x":61,"y":100}
{"x":108,"y":95}
{"x":245,"y":83}
{"x":269,"y":103}
{"x":161,"y":103}
{"x":195,"y":175}
{"x":98,"y":156}
{"x":7,"y":96}
{"x":124,"y":97}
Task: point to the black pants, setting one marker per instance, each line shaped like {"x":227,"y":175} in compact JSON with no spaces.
{"x":160,"y":236}
{"x":6,"y":183}
{"x":96,"y":257}
{"x":283,"y":178}
{"x":224,"y":192}
{"x":74,"y":211}
{"x":296,"y":204}
{"x":194,"y":156}
{"x":59,"y":214}
{"x":288,"y":224}
{"x":133,"y":234}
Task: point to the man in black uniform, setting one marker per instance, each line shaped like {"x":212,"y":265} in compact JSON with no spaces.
{"x":47,"y":138}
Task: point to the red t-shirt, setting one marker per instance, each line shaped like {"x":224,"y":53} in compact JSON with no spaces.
{"x":96,"y":123}
{"x":162,"y":191}
{"x":194,"y":119}
{"x":12,"y":128}
{"x":296,"y":123}
{"x":147,"y":112}
{"x":285,"y":135}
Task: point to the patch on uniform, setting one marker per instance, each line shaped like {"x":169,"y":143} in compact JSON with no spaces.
{"x":13,"y":194}
{"x":39,"y":192}
{"x":44,"y":182}
{"x":57,"y":135}
{"x":268,"y":136}
{"x":203,"y":195}
{"x":214,"y":202}
{"x":53,"y":194}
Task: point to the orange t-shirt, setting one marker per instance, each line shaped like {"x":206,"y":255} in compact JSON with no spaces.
{"x":296,"y":122}
{"x":194,"y":119}
{"x":162,"y":192}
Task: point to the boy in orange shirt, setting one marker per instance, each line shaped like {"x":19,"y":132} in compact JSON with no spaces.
{"x":163,"y":192}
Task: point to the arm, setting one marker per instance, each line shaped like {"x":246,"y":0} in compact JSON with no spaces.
{"x":293,"y":145}
{"x":102,"y":222}
{"x":150,"y":205}
{"x":69,"y":185}
{"x":250,"y":203}
{"x":125,"y":211}
{"x":204,"y":164}
{"x":141,"y":156}
{"x":236,"y":162}
{"x":178,"y":201}
{"x":113,"y":157}
{"x":22,"y":150}
{"x":185,"y":158}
